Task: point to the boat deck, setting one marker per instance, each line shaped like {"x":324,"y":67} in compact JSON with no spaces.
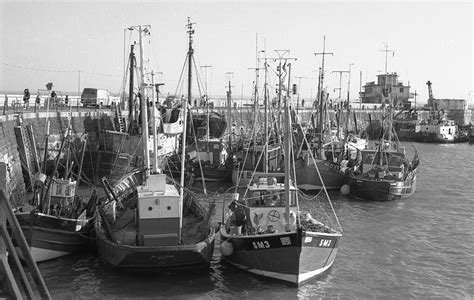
{"x":193,"y":231}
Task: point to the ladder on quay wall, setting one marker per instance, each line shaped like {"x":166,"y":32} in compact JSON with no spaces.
{"x":120,"y":121}
{"x":28,"y":154}
{"x":12,"y":273}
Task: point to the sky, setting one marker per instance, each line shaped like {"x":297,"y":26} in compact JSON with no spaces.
{"x":77,"y":44}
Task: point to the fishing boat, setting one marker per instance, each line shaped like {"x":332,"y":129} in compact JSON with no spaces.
{"x":435,"y":129}
{"x":153,"y":224}
{"x":115,"y":148}
{"x":210,"y":159}
{"x":57,"y":221}
{"x":209,"y":155}
{"x":384,"y":172}
{"x":266,"y":231}
{"x":261,"y":153}
{"x":314,"y":166}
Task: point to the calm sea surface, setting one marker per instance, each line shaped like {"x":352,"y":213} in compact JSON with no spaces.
{"x":421,"y":247}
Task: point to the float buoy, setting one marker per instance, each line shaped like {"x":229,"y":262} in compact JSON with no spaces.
{"x":226,"y":248}
{"x":345,"y":189}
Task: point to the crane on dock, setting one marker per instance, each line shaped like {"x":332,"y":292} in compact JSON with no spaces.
{"x":430,"y":91}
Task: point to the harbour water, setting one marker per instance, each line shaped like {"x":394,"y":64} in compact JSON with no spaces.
{"x":420,"y":247}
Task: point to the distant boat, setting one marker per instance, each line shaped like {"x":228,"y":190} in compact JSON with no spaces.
{"x":436,"y":129}
{"x":384,"y":173}
{"x":250,"y":165}
{"x":117,"y":148}
{"x":265,"y":231}
{"x":211,"y":158}
{"x":208,"y":155}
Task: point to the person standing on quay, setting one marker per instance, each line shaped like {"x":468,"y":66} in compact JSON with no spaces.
{"x":37,"y":101}
{"x":53,"y":98}
{"x":26,"y":98}
{"x":5,"y":104}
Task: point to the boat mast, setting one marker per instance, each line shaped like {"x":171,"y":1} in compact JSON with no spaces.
{"x":183,"y":158}
{"x":320,"y":91}
{"x":388,"y":88}
{"x":185,"y":112}
{"x":287,"y":138}
{"x":265,"y":119}
{"x":255,"y":102}
{"x":153,"y":112}
{"x":208,"y":132}
{"x":190,"y":59}
{"x":229,"y":108}
{"x":144,"y":104}
{"x":131,"y":110}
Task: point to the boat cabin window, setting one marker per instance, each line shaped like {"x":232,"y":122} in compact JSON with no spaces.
{"x":267,"y":198}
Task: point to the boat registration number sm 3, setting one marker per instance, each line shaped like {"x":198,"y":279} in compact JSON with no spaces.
{"x":257,"y":245}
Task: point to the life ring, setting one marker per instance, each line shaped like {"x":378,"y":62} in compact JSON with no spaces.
{"x":273,"y":216}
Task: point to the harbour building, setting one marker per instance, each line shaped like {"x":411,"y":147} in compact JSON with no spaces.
{"x":387,"y":85}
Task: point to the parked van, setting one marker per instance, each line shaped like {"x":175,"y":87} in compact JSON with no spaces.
{"x":95,"y":97}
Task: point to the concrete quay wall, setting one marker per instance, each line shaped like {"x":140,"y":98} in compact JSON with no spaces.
{"x":90,"y":122}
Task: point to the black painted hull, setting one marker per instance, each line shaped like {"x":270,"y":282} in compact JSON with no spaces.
{"x":49,"y":241}
{"x":380,"y":189}
{"x":154,"y":257}
{"x":294,"y":257}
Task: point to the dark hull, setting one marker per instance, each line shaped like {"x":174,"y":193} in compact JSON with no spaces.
{"x":294,"y":257}
{"x":307,"y":176}
{"x":146,"y":257}
{"x":48,"y":243}
{"x":214,"y":174}
{"x":380,"y":189}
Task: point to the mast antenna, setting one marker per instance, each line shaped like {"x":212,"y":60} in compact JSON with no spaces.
{"x":190,"y":31}
{"x":386,"y":50}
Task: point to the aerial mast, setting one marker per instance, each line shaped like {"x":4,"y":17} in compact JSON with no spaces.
{"x":386,"y":50}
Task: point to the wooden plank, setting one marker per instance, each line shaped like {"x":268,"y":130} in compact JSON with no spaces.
{"x":19,"y":267}
{"x":11,"y":286}
{"x":18,"y":234}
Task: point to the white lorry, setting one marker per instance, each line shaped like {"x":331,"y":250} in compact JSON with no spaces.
{"x":96,"y":97}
